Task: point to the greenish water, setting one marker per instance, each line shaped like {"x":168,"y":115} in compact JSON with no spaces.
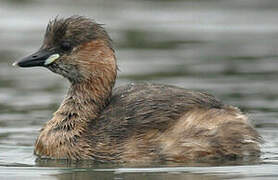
{"x":228,"y":48}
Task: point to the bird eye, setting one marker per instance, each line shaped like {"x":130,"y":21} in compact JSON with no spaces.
{"x":66,"y":46}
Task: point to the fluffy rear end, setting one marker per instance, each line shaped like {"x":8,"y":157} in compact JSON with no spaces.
{"x":203,"y":134}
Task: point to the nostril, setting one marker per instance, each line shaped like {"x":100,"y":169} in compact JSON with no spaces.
{"x":34,"y":56}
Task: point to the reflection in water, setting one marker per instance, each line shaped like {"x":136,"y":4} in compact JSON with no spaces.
{"x":135,"y":176}
{"x":228,"y":48}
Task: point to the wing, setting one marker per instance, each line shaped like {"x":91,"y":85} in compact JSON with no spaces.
{"x":137,"y":108}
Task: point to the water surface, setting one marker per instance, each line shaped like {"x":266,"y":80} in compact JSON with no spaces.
{"x":227,"y":48}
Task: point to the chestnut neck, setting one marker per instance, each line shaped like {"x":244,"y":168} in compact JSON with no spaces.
{"x":88,"y":95}
{"x":88,"y":98}
{"x":83,"y":104}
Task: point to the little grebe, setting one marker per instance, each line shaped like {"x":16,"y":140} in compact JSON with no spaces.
{"x":135,"y":123}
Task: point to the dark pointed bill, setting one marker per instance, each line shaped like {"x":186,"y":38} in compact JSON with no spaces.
{"x":40,"y":58}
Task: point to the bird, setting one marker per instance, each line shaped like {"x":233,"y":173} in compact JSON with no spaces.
{"x":135,"y":123}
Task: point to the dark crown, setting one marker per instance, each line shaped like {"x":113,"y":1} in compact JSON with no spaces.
{"x":74,"y":30}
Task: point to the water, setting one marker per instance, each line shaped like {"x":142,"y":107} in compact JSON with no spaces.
{"x":228,"y":48}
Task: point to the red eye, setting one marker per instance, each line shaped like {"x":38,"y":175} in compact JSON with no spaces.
{"x":66,"y":46}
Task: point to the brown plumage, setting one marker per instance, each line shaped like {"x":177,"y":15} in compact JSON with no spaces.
{"x":134,"y":123}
